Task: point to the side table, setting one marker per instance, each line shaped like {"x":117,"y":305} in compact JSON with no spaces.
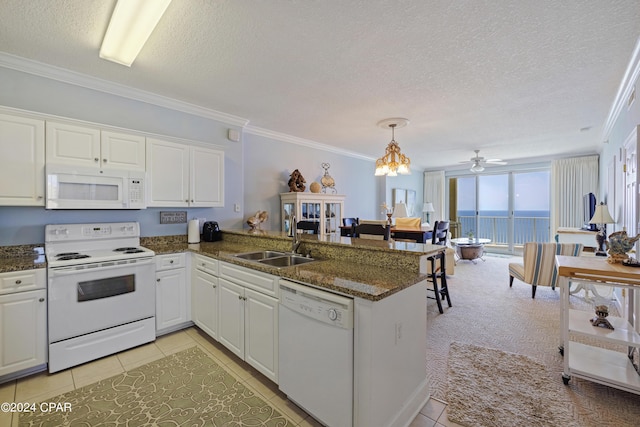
{"x":470,"y":249}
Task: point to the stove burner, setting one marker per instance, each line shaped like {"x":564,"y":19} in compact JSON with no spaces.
{"x":67,"y":254}
{"x":71,"y":255}
{"x":133,"y":251}
{"x":126,"y":249}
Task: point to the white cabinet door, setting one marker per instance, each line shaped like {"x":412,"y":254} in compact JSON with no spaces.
{"x":23,"y":327}
{"x":171,"y":298}
{"x":261,"y":333}
{"x":167,"y":174}
{"x":21,"y":161}
{"x":73,"y":145}
{"x":204,"y":303}
{"x":122,"y":151}
{"x":231,"y":316}
{"x":207,"y":177}
{"x":77,"y":145}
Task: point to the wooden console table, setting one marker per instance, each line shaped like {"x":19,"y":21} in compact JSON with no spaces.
{"x":608,"y":367}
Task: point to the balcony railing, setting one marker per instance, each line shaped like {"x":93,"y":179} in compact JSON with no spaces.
{"x":496,"y":228}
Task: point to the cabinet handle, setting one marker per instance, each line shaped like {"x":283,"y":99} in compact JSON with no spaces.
{"x":214,"y":286}
{"x":95,"y":159}
{"x":18,"y":282}
{"x":41,"y":300}
{"x":40,"y":197}
{"x":158,"y":279}
{"x":104,"y":160}
{"x":191,"y":200}
{"x":187,"y":200}
{"x":171,"y":261}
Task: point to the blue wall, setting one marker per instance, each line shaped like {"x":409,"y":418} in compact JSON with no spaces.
{"x":256,"y":169}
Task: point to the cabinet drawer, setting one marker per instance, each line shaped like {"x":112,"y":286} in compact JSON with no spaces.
{"x":169,"y":261}
{"x":20,"y":281}
{"x":204,"y":263}
{"x":256,"y":280}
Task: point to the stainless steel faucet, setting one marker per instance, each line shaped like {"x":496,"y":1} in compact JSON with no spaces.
{"x":293,"y":232}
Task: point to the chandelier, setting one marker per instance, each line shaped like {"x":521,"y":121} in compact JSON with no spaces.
{"x":393,"y":162}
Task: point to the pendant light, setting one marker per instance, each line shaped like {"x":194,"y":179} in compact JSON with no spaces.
{"x":393,"y":162}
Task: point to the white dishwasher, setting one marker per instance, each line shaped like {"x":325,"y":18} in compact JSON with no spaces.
{"x":316,"y":352}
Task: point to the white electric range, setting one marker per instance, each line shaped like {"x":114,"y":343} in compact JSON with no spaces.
{"x":101,"y":289}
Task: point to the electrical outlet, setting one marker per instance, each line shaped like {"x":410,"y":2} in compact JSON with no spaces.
{"x":236,"y":207}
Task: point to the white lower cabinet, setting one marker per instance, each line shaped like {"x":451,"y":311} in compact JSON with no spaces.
{"x":23,"y":317}
{"x":172,"y":293}
{"x":204,"y":302}
{"x":239,"y":309}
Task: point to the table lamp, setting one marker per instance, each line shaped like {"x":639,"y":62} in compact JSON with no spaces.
{"x":601,"y":217}
{"x":427,"y":208}
{"x":400,"y":210}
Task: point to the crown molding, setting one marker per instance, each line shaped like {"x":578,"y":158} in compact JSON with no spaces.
{"x":258,"y":131}
{"x":626,"y":86}
{"x":78,"y":79}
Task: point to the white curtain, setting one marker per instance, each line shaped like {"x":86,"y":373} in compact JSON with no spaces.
{"x":571,"y":179}
{"x":434,"y":185}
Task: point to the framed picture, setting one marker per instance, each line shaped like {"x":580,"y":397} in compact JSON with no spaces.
{"x":411,"y":202}
{"x":399,"y":196}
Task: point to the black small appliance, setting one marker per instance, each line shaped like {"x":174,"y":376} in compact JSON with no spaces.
{"x":211,"y":231}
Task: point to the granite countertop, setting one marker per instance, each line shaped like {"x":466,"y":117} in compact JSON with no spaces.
{"x":19,"y":258}
{"x":371,"y":270}
{"x":346,"y":277}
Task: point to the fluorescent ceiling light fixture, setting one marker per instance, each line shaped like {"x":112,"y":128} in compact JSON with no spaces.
{"x":131,"y":25}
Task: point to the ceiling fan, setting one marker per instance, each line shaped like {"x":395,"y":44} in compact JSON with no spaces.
{"x":479,"y":162}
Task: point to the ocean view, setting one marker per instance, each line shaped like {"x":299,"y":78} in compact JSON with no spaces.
{"x":529,"y":226}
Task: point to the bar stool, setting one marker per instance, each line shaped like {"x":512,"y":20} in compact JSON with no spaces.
{"x":437,"y":271}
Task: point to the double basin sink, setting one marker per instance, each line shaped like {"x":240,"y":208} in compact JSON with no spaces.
{"x":275,"y":258}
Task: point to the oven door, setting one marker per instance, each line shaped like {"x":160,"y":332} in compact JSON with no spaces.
{"x":92,"y":297}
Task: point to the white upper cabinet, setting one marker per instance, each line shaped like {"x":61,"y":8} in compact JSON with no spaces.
{"x":90,"y":147}
{"x":207,"y":177}
{"x":21,"y":161}
{"x":122,"y":151}
{"x":184,"y":176}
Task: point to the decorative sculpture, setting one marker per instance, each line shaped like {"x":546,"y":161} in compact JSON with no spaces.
{"x":315,"y":187}
{"x":296,"y":182}
{"x":618,"y":246}
{"x":602,"y":311}
{"x":327,"y":180}
{"x":255,"y":221}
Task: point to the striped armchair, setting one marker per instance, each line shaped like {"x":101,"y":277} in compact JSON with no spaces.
{"x":539,"y":267}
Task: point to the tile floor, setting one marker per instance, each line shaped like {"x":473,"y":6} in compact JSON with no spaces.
{"x":43,"y":386}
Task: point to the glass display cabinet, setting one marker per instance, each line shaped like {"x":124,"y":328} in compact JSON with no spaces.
{"x":327,"y":209}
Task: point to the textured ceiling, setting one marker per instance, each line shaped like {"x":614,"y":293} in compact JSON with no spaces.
{"x":516,"y":79}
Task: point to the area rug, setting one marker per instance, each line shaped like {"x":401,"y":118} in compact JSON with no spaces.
{"x":489,"y":387}
{"x":187,"y":388}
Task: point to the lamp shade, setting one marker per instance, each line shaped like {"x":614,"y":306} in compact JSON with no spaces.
{"x":427,"y":207}
{"x":400,"y":211}
{"x":601,"y":215}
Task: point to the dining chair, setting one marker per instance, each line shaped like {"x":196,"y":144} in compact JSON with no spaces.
{"x":372,"y":231}
{"x":348,"y":225}
{"x":437,"y":265}
{"x":309,"y":227}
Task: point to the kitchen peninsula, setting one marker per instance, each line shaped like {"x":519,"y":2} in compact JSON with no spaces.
{"x":388,"y":287}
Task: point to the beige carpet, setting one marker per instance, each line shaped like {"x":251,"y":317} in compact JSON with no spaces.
{"x":487,"y":313}
{"x":186,"y":389}
{"x":481,"y":384}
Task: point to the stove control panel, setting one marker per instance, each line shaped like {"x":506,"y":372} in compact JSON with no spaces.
{"x":85,"y":232}
{"x":96,"y":231}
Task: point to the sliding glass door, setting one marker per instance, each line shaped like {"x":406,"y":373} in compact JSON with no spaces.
{"x":508,"y":208}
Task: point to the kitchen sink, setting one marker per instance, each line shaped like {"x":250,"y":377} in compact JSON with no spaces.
{"x":286,"y":260}
{"x":260,"y":255}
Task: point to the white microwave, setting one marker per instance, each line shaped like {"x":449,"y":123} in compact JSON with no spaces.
{"x":70,"y":187}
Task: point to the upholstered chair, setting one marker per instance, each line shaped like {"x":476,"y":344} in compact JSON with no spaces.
{"x":539,"y":267}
